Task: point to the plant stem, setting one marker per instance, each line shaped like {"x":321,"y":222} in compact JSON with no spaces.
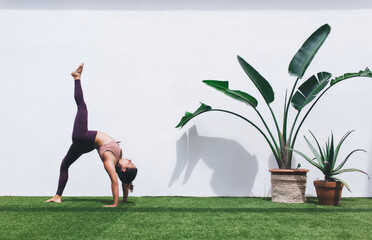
{"x":283,"y":138}
{"x":286,"y":109}
{"x":268,"y":130}
{"x":255,"y":126}
{"x":307,"y":113}
{"x":280,"y":137}
{"x":293,"y":126}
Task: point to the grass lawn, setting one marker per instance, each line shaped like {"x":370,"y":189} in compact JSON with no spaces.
{"x":183,"y":218}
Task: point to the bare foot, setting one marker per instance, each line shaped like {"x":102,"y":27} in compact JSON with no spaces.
{"x":78,"y":71}
{"x":56,"y":199}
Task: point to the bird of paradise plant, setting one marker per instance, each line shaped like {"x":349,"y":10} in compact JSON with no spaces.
{"x":310,"y":91}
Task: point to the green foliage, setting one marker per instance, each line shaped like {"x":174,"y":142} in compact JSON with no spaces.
{"x":306,"y":53}
{"x":309,"y":92}
{"x":188,"y":116}
{"x":325,"y":158}
{"x":223,"y":86}
{"x":365,"y":73}
{"x":309,"y":89}
{"x":261,"y":83}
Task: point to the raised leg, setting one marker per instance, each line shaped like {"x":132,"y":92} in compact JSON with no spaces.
{"x":81,"y":119}
{"x":80,"y":134}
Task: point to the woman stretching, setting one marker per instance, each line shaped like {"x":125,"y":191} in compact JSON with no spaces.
{"x":84,"y":141}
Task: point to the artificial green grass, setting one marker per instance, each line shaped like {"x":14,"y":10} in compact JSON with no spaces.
{"x":183,"y":218}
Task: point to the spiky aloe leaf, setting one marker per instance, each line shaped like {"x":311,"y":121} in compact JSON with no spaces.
{"x":350,"y":170}
{"x":306,"y":53}
{"x":223,"y":86}
{"x":260,"y":82}
{"x":320,"y":156}
{"x":308,"y":159}
{"x":343,"y":162}
{"x":309,"y":89}
{"x":341,"y":141}
{"x":365,"y":73}
{"x":331,"y":157}
{"x":188,"y":116}
{"x":340,"y":180}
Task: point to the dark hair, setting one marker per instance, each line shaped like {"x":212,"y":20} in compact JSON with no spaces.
{"x":130,"y":186}
{"x":128,"y":176}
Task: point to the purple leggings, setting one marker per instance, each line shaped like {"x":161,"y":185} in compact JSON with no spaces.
{"x":82,"y":139}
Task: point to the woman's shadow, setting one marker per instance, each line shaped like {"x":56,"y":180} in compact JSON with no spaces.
{"x":234,"y":169}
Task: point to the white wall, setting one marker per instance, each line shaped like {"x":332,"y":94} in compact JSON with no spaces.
{"x":144,"y":64}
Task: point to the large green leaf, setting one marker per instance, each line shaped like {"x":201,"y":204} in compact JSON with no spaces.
{"x":365,"y":73}
{"x":188,"y":116}
{"x":223,"y":86}
{"x":306,"y":53}
{"x":309,"y":89}
{"x":261,"y":83}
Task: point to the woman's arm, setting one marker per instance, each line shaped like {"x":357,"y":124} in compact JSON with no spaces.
{"x":125,"y":192}
{"x":110,"y":169}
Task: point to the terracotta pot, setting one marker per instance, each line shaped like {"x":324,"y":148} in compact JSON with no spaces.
{"x":288,"y":185}
{"x":328,"y":193}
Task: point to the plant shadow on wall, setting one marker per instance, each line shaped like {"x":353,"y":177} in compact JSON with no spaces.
{"x":234,"y":169}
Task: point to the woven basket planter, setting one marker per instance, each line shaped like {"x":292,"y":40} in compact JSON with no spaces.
{"x":288,"y":185}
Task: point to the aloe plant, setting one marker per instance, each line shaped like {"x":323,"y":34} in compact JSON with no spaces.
{"x":325,"y":158}
{"x":282,"y":139}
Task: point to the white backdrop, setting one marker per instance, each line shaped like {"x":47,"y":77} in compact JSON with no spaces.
{"x":144,"y":64}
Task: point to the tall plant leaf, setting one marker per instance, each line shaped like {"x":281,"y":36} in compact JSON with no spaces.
{"x":261,"y":83}
{"x":188,"y":116}
{"x":331,"y":156}
{"x":321,"y":155}
{"x":308,"y":159}
{"x":318,"y":157}
{"x":309,"y":89}
{"x":350,"y":170}
{"x":365,"y":73}
{"x":340,"y":180}
{"x":223,"y":86}
{"x":341,"y":141}
{"x":343,"y":162}
{"x":306,"y":53}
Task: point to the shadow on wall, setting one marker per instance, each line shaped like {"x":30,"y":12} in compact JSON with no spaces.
{"x":234,"y":169}
{"x":155,"y":5}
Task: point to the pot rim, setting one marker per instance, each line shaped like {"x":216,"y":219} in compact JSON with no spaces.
{"x":277,"y":170}
{"x":320,"y":183}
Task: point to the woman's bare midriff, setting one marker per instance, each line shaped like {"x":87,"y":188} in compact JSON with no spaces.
{"x":102,"y":139}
